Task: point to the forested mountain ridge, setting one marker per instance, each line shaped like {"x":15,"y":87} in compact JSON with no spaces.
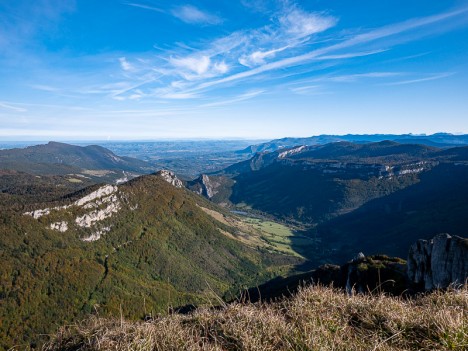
{"x":316,"y":183}
{"x":136,"y":249}
{"x":377,"y":197}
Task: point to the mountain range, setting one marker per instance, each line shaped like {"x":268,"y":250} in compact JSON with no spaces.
{"x":352,"y":196}
{"x":85,"y":231}
{"x":437,"y":140}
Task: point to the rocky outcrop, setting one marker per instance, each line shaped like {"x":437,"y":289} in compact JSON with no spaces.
{"x":94,"y":199}
{"x":363,"y":274}
{"x":293,"y":151}
{"x":60,"y":226}
{"x":170,"y":177}
{"x":101,"y":192}
{"x":216,"y":188}
{"x":439,"y":262}
{"x":99,"y":205}
{"x":206,"y":187}
{"x":374,"y":273}
{"x":89,"y":219}
{"x":96,"y":235}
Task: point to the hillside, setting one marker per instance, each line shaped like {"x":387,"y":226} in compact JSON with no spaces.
{"x":436,"y":203}
{"x":134,"y":249}
{"x":316,"y":318}
{"x":23,"y":191}
{"x":85,"y":162}
{"x":374,"y":197}
{"x":312,"y":184}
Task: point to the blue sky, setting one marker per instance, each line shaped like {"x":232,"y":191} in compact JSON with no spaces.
{"x":153,"y":69}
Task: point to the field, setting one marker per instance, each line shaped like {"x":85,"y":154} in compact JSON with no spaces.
{"x":273,"y":236}
{"x":279,"y":237}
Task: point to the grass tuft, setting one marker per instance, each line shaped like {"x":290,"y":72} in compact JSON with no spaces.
{"x":316,"y":318}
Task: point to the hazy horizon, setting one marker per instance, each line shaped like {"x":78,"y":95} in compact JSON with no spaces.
{"x":181,"y":140}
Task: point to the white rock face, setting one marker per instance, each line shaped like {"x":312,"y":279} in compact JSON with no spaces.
{"x":96,"y":235}
{"x":294,"y":151}
{"x":38,"y":213}
{"x":439,"y":262}
{"x":209,"y":187}
{"x":99,"y":202}
{"x":101,"y":192}
{"x":60,"y":226}
{"x":122,"y":180}
{"x":102,"y":204}
{"x":171,"y":178}
{"x":91,"y":218}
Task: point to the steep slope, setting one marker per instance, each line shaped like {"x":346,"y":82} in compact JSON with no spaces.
{"x":215,"y":188}
{"x":340,"y":154}
{"x":60,"y":159}
{"x":134,"y":249}
{"x":371,"y":152}
{"x":312,"y":184}
{"x":435,"y":204}
{"x":376,"y":197}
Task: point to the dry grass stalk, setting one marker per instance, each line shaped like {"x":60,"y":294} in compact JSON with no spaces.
{"x":316,"y":318}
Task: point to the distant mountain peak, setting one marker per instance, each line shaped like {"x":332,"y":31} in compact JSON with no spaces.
{"x":56,"y":158}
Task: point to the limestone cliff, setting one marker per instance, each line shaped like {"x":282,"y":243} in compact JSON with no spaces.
{"x":214,"y":187}
{"x":439,"y":262}
{"x":171,"y":178}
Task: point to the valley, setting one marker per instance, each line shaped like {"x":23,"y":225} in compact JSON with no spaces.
{"x":96,"y":233}
{"x":187,"y":158}
{"x":248,"y":175}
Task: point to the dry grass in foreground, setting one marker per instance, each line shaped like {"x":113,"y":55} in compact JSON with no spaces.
{"x":317,"y":318}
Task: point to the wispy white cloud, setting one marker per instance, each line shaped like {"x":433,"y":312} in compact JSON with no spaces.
{"x":258,"y":57}
{"x":409,"y":57}
{"x":246,"y":96}
{"x":221,"y":67}
{"x":11,"y":107}
{"x":420,"y":80}
{"x":189,"y":71}
{"x":177,"y":96}
{"x":186,"y":13}
{"x":198,"y":65}
{"x":146,"y":7}
{"x":301,"y":24}
{"x":126,"y":66}
{"x":350,"y":55}
{"x":310,"y":90}
{"x":360,"y":39}
{"x":44,"y":87}
{"x":288,"y":30}
{"x":260,"y":6}
{"x":191,"y":14}
{"x":348,"y":78}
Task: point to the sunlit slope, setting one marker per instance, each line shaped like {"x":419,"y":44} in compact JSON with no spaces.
{"x":134,"y":250}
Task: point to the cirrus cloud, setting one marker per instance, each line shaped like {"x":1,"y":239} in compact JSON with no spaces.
{"x":191,"y":14}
